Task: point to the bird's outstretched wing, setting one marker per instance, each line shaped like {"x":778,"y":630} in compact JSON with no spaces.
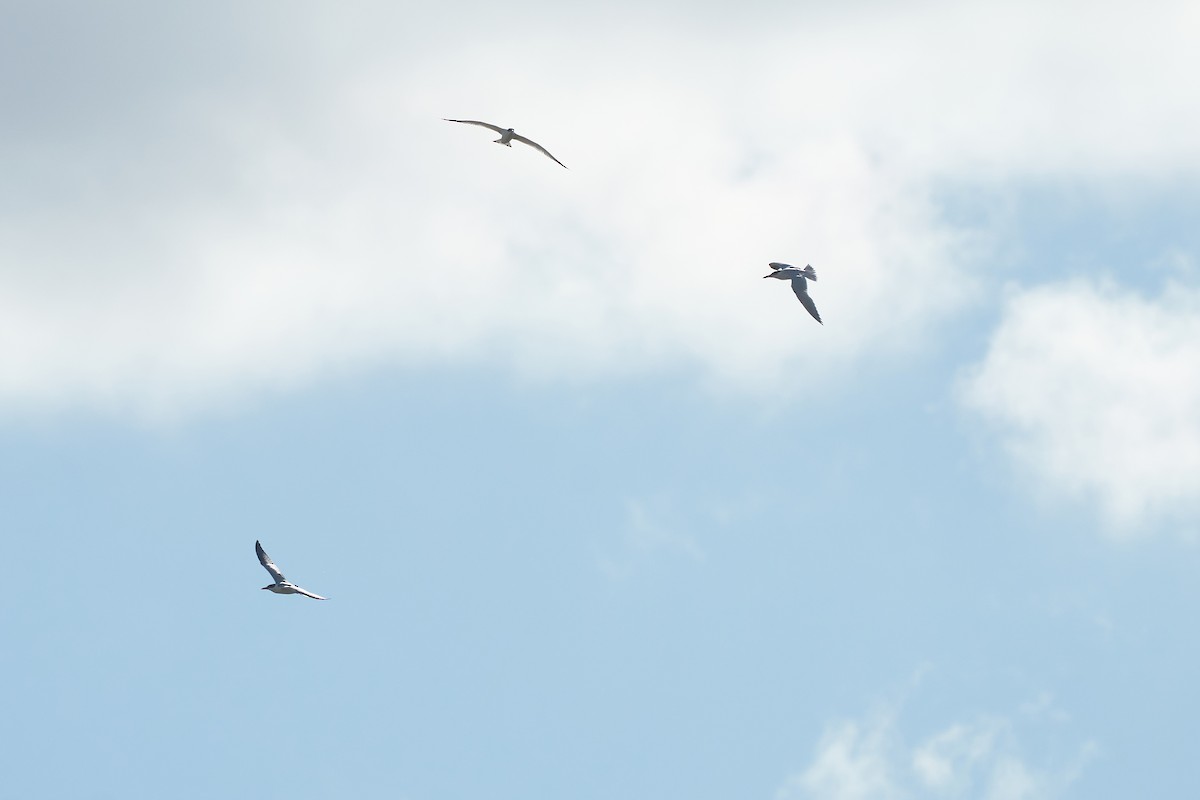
{"x":488,"y":125}
{"x":799,"y":286}
{"x":777,"y":265}
{"x":537,"y":146}
{"x":268,"y":564}
{"x":307,"y":593}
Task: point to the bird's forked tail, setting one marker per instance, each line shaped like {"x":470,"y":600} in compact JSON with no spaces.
{"x":809,"y":272}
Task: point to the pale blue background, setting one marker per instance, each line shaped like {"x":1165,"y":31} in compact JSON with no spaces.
{"x":623,"y":587}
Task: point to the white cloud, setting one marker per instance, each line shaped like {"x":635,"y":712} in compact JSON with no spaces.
{"x":274,"y":201}
{"x":1094,"y":392}
{"x":644,"y":536}
{"x":853,"y":762}
{"x":981,"y":758}
{"x":943,"y":760}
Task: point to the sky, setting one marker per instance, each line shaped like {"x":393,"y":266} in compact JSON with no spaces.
{"x":599,"y":512}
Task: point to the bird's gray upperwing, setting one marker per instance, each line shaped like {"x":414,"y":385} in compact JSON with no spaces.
{"x":268,"y":564}
{"x":489,"y":125}
{"x":537,"y":146}
{"x":778,"y":265}
{"x":307,"y":593}
{"x":799,"y":286}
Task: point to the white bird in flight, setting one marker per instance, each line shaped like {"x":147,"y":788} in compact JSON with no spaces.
{"x":786,"y":272}
{"x":507,"y":135}
{"x":281,"y":585}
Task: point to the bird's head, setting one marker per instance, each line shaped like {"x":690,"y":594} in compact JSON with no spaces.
{"x":510,"y":130}
{"x":268,"y":586}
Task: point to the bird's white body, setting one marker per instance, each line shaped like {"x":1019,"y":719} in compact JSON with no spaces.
{"x":288,"y":588}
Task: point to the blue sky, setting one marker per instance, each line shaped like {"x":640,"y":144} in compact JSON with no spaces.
{"x":600,"y":513}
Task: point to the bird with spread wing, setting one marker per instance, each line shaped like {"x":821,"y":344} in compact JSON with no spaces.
{"x":281,"y":585}
{"x":507,"y":135}
{"x":799,"y":279}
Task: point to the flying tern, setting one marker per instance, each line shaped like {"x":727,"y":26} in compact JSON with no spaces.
{"x":281,"y":585}
{"x":786,"y":272}
{"x":507,"y":135}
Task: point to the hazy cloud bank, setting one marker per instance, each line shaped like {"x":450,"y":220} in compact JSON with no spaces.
{"x":200,"y":209}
